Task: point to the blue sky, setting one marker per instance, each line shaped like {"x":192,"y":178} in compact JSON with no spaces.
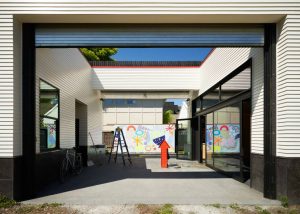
{"x":161,"y":54}
{"x":176,"y":101}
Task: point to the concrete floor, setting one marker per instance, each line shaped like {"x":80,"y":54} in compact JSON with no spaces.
{"x":184,"y":182}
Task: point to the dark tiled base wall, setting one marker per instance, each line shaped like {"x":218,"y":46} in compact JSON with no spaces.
{"x":6,"y":176}
{"x":10,"y":177}
{"x":47,"y":171}
{"x":288,"y":179}
{"x":287,"y":176}
{"x":257,"y":172}
{"x":47,"y":167}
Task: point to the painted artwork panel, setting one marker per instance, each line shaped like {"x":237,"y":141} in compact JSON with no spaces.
{"x":51,"y":136}
{"x":140,"y":138}
{"x":227,"y":138}
{"x":209,"y":138}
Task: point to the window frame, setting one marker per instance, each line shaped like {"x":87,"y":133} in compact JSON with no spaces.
{"x":57,"y":146}
{"x":218,"y":85}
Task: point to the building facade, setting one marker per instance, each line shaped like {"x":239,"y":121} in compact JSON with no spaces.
{"x":275,"y":109}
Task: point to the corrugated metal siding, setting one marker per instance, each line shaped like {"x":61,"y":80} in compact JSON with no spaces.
{"x":240,"y":81}
{"x":287,"y":49}
{"x":223,"y":61}
{"x":143,"y":35}
{"x":288,"y":87}
{"x":146,"y":78}
{"x":6,"y":86}
{"x":67,"y":70}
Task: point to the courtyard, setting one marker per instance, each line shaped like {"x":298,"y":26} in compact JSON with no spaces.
{"x":183,"y":183}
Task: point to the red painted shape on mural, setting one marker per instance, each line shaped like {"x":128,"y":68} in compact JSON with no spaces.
{"x":164,"y":146}
{"x":224,"y":127}
{"x":131,"y":127}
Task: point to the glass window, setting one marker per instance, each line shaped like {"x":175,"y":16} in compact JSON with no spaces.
{"x":237,"y":84}
{"x":131,"y":102}
{"x":184,"y":146}
{"x":108,"y":103}
{"x":209,"y":138}
{"x":121,"y":102}
{"x":49,"y":116}
{"x":210,"y":99}
{"x":198,"y":105}
{"x":226,"y":150}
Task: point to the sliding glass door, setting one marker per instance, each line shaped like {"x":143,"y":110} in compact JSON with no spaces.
{"x":226,"y":139}
{"x":184,"y":146}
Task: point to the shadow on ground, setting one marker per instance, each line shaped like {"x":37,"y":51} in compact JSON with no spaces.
{"x":110,"y":172}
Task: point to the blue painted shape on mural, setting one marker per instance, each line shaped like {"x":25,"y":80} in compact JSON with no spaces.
{"x":159,"y":140}
{"x":216,"y":132}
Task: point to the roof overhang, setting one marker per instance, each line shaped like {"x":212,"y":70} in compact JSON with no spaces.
{"x":150,"y":18}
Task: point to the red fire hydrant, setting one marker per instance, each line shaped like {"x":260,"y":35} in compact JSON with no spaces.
{"x":164,"y":155}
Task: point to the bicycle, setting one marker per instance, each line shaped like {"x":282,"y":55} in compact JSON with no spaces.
{"x":71,"y":164}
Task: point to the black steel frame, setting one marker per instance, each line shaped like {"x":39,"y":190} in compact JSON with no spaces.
{"x":53,"y":118}
{"x":29,"y":123}
{"x":270,"y":112}
{"x":218,"y":85}
{"x":28,"y":111}
{"x":222,"y":104}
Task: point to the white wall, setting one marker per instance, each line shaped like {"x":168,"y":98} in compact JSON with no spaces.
{"x":288,"y":87}
{"x":193,"y":11}
{"x":207,"y":11}
{"x":149,"y":112}
{"x":146,"y":78}
{"x":223,"y":61}
{"x":67,"y":70}
{"x":184,"y":110}
{"x":7,"y":87}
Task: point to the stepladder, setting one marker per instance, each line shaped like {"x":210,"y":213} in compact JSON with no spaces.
{"x":119,"y":147}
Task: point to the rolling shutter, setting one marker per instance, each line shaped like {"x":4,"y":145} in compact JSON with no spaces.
{"x":148,"y":35}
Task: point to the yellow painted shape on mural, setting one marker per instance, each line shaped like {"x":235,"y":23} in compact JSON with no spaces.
{"x":137,"y":140}
{"x":139,"y":148}
{"x":217,"y":148}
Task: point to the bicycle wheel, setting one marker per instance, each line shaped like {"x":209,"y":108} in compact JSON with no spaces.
{"x":78,"y":164}
{"x":63,"y":170}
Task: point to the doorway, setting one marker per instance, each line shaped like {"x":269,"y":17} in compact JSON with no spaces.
{"x":246,"y":139}
{"x":81,"y":130}
{"x":188,"y":154}
{"x":183,"y":142}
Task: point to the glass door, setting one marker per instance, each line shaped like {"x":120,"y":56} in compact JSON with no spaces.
{"x":184,"y":146}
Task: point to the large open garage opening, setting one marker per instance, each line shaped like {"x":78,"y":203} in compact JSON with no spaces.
{"x":198,"y":90}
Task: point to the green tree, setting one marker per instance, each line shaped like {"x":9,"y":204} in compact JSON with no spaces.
{"x":99,"y":54}
{"x":167,"y":116}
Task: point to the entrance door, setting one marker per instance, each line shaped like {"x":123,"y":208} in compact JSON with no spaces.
{"x":77,"y":133}
{"x":183,"y":141}
{"x":246,"y":141}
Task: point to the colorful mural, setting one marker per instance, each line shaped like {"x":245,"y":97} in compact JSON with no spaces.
{"x":226,"y":138}
{"x":209,"y":138}
{"x":51,"y":130}
{"x":140,"y":138}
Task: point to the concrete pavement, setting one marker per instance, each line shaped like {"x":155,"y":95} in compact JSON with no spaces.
{"x":184,"y":183}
